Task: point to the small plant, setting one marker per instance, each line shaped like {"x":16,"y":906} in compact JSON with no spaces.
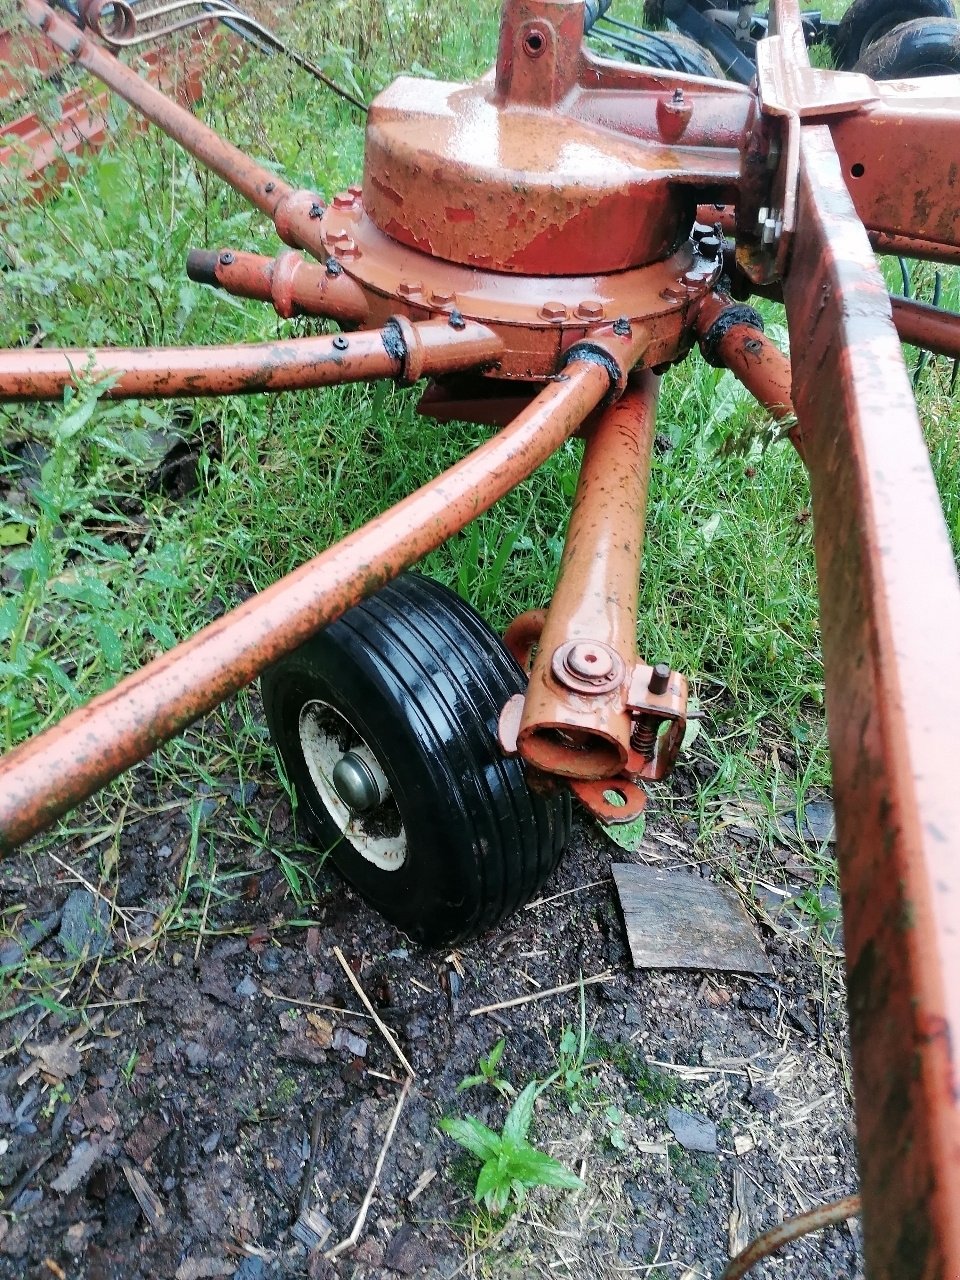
{"x":487,"y":1073}
{"x":573,"y":1067}
{"x":511,"y":1165}
{"x":615,"y":1135}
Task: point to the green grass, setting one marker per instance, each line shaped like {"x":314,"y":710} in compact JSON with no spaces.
{"x":102,"y":571}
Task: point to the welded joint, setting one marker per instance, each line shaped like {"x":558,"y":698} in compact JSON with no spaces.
{"x":734,"y":314}
{"x":606,"y":349}
{"x":403,"y":343}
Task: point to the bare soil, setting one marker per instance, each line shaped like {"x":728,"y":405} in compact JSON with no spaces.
{"x":225,"y":1115}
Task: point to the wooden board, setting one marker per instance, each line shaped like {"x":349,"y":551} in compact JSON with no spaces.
{"x":677,"y":920}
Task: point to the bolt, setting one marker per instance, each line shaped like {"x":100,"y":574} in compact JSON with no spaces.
{"x":659,"y":678}
{"x":678,"y":96}
{"x":226,"y":258}
{"x":590,"y":310}
{"x":672,"y":293}
{"x":348,"y":247}
{"x":340,"y":343}
{"x":333,"y":267}
{"x":456,"y":320}
{"x":270,"y":187}
{"x":588,"y":661}
{"x":553,"y":311}
{"x":356,"y":192}
{"x":710,"y":246}
{"x":441,"y":298}
{"x":769,"y":233}
{"x":343,"y":200}
{"x":408,"y":288}
{"x":316,"y":210}
{"x":621,"y":327}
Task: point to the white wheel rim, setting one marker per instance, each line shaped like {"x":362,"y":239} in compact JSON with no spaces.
{"x":325,"y":737}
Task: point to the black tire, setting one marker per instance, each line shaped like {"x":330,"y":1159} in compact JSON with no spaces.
{"x":419,"y":679}
{"x":866,"y":21}
{"x":925,"y":47}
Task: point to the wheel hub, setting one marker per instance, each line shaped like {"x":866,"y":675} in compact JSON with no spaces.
{"x":359,"y":781}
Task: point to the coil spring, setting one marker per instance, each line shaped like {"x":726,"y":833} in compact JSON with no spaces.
{"x":643,"y":739}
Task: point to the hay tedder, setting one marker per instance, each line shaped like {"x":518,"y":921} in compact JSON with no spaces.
{"x":541,"y":246}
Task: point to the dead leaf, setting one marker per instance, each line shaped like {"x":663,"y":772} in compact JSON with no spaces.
{"x":82,"y":1159}
{"x":321,"y":1030}
{"x":58,"y":1059}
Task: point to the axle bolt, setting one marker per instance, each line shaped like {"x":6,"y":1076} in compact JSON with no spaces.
{"x":659,"y":678}
{"x":355,"y":783}
{"x":588,"y":662}
{"x":590,"y":311}
{"x":553,"y":311}
{"x":226,"y":258}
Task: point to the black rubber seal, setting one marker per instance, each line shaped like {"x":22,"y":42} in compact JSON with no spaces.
{"x":594,"y":354}
{"x":394,"y":343}
{"x":728,"y":317}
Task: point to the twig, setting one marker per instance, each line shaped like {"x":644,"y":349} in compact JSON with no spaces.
{"x":606,"y":976}
{"x":827,"y":1215}
{"x":307,"y":1182}
{"x":384,"y":1029}
{"x":312,"y":1004}
{"x":206,"y":908}
{"x":354,"y":1235}
{"x":578,"y":888}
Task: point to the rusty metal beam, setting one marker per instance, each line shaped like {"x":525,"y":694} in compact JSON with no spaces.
{"x":50,"y":774}
{"x":890,"y":617}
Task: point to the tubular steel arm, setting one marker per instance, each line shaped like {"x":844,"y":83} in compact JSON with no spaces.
{"x":561,"y":162}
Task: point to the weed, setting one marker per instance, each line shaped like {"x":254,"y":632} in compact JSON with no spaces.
{"x":574,"y":1062}
{"x":614,"y":1121}
{"x":487,"y":1073}
{"x":510,"y":1164}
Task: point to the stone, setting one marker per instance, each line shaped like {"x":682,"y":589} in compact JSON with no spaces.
{"x":693,"y":1131}
{"x":84,"y":925}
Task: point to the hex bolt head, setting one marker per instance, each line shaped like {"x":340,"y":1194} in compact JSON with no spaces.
{"x":590,"y":310}
{"x":589,"y":661}
{"x":348,"y":247}
{"x":355,"y":191}
{"x":442,"y":298}
{"x":355,"y":784}
{"x":343,"y":200}
{"x":553,"y":311}
{"x":659,"y":678}
{"x":409,"y":288}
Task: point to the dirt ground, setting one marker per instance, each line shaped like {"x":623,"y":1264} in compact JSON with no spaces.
{"x":225,"y":1109}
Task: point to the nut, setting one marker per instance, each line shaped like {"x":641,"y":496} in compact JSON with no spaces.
{"x":553,"y":311}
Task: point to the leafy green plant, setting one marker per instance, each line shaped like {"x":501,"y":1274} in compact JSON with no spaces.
{"x":615,"y":1135}
{"x":511,"y":1165}
{"x":574,"y":1061}
{"x":487,"y":1073}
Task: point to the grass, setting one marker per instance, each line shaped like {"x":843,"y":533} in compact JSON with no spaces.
{"x":103,"y":569}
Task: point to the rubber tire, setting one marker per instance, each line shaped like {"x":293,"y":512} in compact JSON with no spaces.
{"x":423,"y":679}
{"x":925,"y":47}
{"x":867,"y":21}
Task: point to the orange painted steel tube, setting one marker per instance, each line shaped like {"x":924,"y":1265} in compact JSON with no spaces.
{"x":50,"y":774}
{"x":261,"y":187}
{"x":582,"y":734}
{"x":289,"y":282}
{"x":928,"y":327}
{"x":243,"y":369}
